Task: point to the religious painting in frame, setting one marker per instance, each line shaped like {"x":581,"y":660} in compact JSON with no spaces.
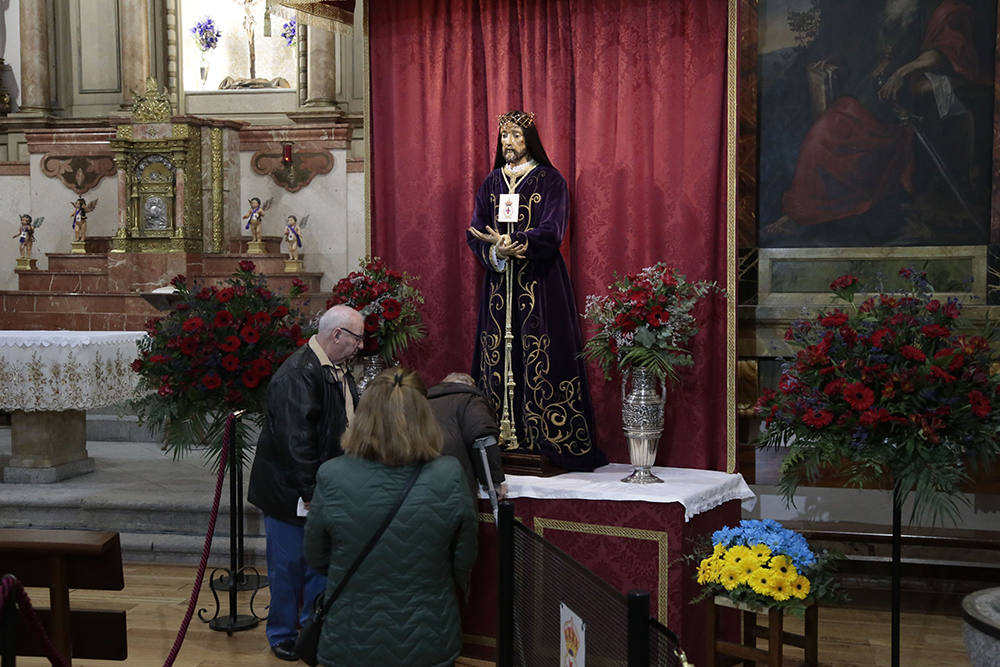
{"x":876,"y":122}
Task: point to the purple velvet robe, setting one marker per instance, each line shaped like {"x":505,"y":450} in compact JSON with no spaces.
{"x":552,"y":411}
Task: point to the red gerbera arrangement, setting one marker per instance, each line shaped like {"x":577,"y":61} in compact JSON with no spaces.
{"x":389,"y":304}
{"x":213,"y":353}
{"x":895,"y":387}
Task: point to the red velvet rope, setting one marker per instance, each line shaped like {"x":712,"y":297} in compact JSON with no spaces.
{"x":193,"y":602}
{"x":10,"y":586}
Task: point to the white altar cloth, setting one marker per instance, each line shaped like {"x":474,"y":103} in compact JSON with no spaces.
{"x":697,"y":490}
{"x":66,"y":370}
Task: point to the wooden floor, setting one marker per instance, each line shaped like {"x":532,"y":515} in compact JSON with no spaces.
{"x":156,"y":598}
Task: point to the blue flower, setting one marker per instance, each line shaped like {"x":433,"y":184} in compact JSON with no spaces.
{"x":206,"y":34}
{"x":779,"y":540}
{"x":288,"y":32}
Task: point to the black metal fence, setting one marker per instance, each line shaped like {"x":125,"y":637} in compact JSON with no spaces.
{"x":536,"y":578}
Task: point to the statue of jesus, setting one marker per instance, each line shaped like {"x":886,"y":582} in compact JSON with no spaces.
{"x":527,"y":357}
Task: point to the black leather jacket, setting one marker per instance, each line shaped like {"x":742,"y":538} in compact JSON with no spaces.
{"x":302,"y":429}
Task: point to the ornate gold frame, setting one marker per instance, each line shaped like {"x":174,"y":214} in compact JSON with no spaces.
{"x":181,"y":145}
{"x":659,"y":536}
{"x":732,"y":249}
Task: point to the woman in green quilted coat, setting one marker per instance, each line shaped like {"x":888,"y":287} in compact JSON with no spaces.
{"x":401,"y":605}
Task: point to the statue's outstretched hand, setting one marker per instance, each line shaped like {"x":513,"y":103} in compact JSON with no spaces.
{"x":508,"y":248}
{"x":505,"y":246}
{"x":491,"y":236}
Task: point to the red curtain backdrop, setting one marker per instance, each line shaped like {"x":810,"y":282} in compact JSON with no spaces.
{"x":630,"y":103}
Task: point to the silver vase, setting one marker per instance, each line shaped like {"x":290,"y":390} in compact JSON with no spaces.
{"x":371,"y":366}
{"x":642,"y":421}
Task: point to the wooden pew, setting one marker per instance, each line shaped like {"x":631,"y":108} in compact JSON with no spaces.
{"x":944,"y":553}
{"x":60,"y":560}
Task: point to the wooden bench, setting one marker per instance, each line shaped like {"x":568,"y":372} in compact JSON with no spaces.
{"x":60,"y":560}
{"x":951,"y":548}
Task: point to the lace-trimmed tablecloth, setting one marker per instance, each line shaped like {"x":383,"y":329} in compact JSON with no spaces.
{"x":697,"y":490}
{"x":66,"y":370}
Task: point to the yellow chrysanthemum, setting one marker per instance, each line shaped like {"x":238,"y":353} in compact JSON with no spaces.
{"x":783,"y":565}
{"x":761,"y":552}
{"x":718,"y":550}
{"x":737,"y":554}
{"x":760,"y":581}
{"x":747,"y":567}
{"x":781,"y":589}
{"x":729,"y":576}
{"x":707,"y":569}
{"x":800,"y":587}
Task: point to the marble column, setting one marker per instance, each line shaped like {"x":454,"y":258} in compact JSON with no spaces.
{"x":134,"y":31}
{"x":34,"y":35}
{"x":321,"y":81}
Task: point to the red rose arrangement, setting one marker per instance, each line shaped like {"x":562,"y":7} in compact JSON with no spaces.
{"x":894,"y":387}
{"x":389,"y":304}
{"x":645,"y":321}
{"x":212,"y":354}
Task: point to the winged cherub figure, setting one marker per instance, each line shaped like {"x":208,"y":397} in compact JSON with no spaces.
{"x":26,"y":234}
{"x":293,"y":235}
{"x":255,"y":217}
{"x":79,"y":218}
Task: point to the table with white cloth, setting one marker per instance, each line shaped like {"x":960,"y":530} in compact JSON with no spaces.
{"x":48,"y":380}
{"x":632,"y":536}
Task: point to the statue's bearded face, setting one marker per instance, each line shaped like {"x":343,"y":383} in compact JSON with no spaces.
{"x":515,"y":151}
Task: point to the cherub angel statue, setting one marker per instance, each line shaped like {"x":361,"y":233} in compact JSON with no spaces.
{"x":26,"y":234}
{"x":255,"y":217}
{"x":293,"y":236}
{"x":80,"y":210}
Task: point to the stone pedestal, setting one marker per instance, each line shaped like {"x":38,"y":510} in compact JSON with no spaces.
{"x":79,"y":248}
{"x":256,"y":248}
{"x":47,"y":446}
{"x":26,"y":264}
{"x":48,"y":381}
{"x":294,"y":266}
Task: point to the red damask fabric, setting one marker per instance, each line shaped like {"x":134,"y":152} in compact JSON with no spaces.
{"x":629,"y":97}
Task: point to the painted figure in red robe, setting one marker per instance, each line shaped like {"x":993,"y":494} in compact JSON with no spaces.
{"x":883,"y":97}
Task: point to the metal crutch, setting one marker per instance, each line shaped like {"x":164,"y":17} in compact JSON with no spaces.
{"x":481,"y":444}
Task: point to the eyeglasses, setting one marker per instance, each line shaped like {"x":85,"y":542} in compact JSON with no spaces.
{"x":359,"y":338}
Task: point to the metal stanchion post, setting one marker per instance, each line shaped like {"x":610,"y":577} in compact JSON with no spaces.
{"x":638,"y":629}
{"x":505,"y":585}
{"x":237,"y":577}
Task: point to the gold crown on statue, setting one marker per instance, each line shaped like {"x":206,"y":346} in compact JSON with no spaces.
{"x":522,"y":118}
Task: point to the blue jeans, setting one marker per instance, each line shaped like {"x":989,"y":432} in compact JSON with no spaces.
{"x":294,"y":585}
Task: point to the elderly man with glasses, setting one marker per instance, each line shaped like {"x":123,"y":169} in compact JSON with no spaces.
{"x":310,"y":401}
